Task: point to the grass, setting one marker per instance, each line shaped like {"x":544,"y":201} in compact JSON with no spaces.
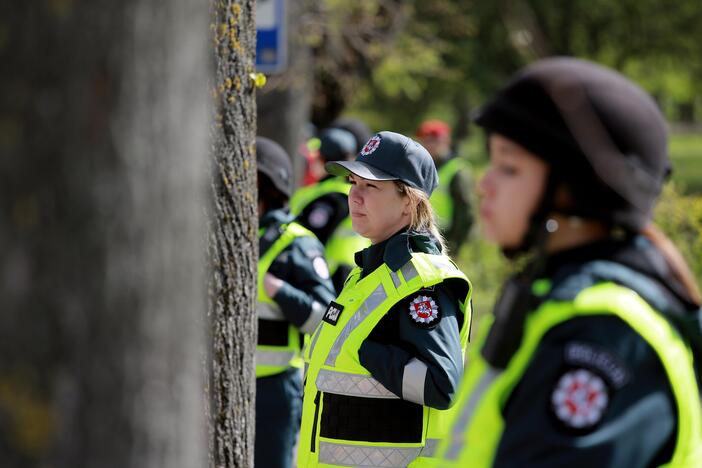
{"x":686,"y":155}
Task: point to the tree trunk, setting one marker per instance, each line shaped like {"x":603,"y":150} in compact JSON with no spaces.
{"x":284,"y":104}
{"x":103,"y":137}
{"x":233,"y":237}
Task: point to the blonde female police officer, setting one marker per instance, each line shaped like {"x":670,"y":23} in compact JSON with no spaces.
{"x":593,"y":356}
{"x":294,"y":287}
{"x":383,"y":365}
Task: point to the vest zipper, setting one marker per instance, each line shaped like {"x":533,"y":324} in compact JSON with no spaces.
{"x":316,"y":416}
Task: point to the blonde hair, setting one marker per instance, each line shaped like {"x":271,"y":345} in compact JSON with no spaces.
{"x":422,"y":217}
{"x":675,"y":260}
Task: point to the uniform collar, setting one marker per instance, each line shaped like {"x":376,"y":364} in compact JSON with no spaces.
{"x":396,"y":251}
{"x":635,"y":252}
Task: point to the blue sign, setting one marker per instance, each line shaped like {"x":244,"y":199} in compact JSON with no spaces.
{"x":271,"y":37}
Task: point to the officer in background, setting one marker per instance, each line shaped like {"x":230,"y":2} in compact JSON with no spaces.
{"x":452,"y":198}
{"x":356,"y":127}
{"x":294,"y":288}
{"x":323,"y":207}
{"x":593,"y":358}
{"x":382,"y":368}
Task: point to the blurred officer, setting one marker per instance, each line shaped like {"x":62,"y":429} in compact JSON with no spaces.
{"x":451,"y":199}
{"x":593,"y":356}
{"x":293,"y":289}
{"x":309,"y":149}
{"x":323,"y":208}
{"x":383,"y":366}
{"x":357,"y":128}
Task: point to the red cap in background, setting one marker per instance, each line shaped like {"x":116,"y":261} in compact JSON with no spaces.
{"x":434,"y":128}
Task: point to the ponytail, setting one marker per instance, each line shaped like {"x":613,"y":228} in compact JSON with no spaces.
{"x":675,"y":260}
{"x":422,"y":218}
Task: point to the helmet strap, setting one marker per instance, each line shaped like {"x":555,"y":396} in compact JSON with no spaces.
{"x":516,"y":298}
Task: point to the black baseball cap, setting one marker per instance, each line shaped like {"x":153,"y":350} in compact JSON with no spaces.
{"x":391,"y":156}
{"x":274,"y":162}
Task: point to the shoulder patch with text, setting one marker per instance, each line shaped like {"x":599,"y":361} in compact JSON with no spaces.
{"x":581,"y":354}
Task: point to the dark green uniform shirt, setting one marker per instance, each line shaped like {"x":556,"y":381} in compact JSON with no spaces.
{"x":635,"y":426}
{"x":398,"y":338}
{"x":302,"y":268}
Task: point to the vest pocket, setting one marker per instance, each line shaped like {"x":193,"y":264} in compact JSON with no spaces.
{"x":371,"y":419}
{"x":272,"y":332}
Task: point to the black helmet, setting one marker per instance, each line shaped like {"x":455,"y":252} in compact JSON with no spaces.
{"x":336,"y":144}
{"x":358,"y":129}
{"x":601,"y":134}
{"x":275,"y":163}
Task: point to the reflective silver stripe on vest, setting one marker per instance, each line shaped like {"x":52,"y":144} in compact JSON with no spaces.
{"x":430,"y":447}
{"x":313,"y":341}
{"x":343,"y":383}
{"x":442,"y":263}
{"x":457,"y":436}
{"x":273,"y":358}
{"x":413,"y":378}
{"x":314,"y":318}
{"x":268,"y":311}
{"x":409,"y":271}
{"x":354,"y":455}
{"x":368,"y":306}
{"x":395,"y":279}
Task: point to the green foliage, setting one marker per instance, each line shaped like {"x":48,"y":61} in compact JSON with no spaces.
{"x":680,"y":217}
{"x":486,"y":268}
{"x":686,"y":155}
{"x":451,"y":54}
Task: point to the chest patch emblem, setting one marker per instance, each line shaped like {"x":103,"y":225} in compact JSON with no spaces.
{"x":423,"y":310}
{"x":371,"y":145}
{"x":331,"y":316}
{"x":580,"y":399}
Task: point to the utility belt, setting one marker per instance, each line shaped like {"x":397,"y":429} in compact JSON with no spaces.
{"x":357,"y":418}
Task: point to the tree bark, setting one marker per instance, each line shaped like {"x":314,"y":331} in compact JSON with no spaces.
{"x":103,"y":137}
{"x":233,"y":237}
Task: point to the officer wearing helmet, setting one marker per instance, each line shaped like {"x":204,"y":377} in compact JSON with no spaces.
{"x":383,"y":366}
{"x":294,"y":288}
{"x":592,"y":358}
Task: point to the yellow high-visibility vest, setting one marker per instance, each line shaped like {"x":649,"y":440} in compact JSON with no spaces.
{"x":477,"y":426}
{"x":333,"y":370}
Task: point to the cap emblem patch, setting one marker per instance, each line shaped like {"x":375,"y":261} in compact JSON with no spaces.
{"x":423,"y":310}
{"x":371,"y":145}
{"x":580,"y":399}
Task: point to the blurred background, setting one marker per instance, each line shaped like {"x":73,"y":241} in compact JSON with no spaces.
{"x":107,"y":141}
{"x":393,"y":64}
